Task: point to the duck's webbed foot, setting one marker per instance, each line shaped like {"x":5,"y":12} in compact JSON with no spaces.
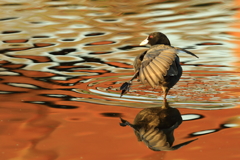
{"x":124,"y":123}
{"x":125,"y":87}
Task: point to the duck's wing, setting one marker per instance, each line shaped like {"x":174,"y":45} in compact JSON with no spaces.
{"x":155,"y":139}
{"x":138,"y":60}
{"x":158,"y":63}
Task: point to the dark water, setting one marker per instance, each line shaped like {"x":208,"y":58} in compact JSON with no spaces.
{"x":62,"y":63}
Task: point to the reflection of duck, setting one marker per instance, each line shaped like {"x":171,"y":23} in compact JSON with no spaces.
{"x":159,"y":65}
{"x":155,"y":127}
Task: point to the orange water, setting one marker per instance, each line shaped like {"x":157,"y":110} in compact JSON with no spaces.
{"x":62,"y":63}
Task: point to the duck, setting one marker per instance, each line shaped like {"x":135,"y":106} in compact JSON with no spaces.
{"x":157,"y":66}
{"x":155,"y":127}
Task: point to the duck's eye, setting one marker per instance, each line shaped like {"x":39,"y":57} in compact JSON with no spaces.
{"x":150,"y":36}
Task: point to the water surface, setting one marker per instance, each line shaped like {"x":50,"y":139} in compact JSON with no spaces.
{"x":62,"y":63}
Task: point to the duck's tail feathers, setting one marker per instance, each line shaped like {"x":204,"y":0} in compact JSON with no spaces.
{"x":186,"y":51}
{"x":182,"y":144}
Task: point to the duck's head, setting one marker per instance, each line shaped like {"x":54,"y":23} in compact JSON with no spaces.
{"x":156,"y":38}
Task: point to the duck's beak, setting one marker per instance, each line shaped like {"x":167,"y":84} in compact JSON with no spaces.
{"x":144,"y":42}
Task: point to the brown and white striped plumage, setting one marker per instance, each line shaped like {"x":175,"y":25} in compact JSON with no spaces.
{"x":159,"y":66}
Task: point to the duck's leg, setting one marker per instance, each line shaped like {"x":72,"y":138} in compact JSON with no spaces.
{"x":126,"y":86}
{"x":165,"y":104}
{"x":165,"y":92}
{"x":126,"y":123}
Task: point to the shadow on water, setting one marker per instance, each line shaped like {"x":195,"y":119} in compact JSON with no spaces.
{"x":155,"y":127}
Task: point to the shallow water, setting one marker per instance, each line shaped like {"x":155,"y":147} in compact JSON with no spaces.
{"x":62,"y":63}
